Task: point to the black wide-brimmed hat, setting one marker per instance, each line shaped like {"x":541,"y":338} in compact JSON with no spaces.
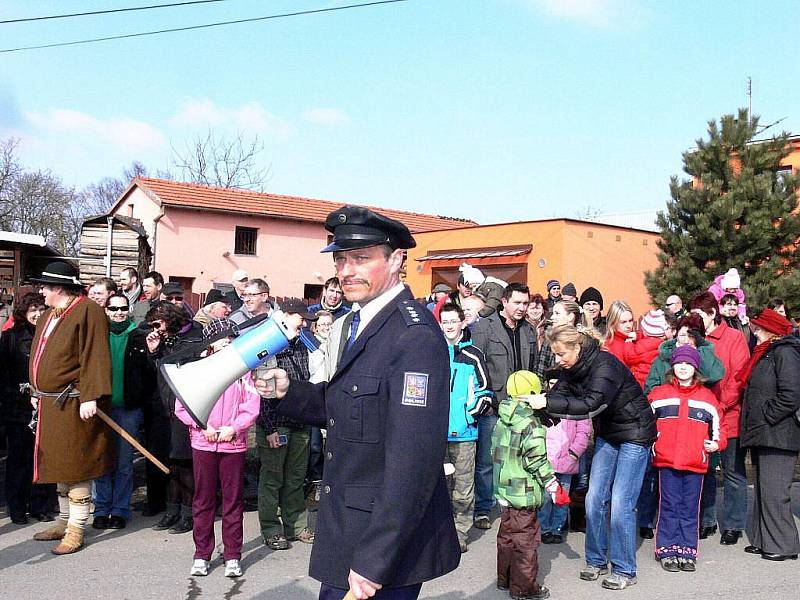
{"x":356,"y":227}
{"x":58,"y":273}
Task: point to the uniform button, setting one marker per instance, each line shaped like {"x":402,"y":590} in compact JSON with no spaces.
{"x":355,"y":388}
{"x":327,"y":489}
{"x":331,"y":422}
{"x":330,"y":455}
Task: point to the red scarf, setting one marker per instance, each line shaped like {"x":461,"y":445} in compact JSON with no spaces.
{"x":743,"y":376}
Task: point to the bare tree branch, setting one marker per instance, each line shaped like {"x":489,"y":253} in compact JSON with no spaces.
{"x":222,"y":162}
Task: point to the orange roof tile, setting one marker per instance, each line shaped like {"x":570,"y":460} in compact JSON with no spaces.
{"x":190,"y":195}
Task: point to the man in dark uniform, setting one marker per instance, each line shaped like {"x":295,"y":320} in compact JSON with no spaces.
{"x":385,"y":523}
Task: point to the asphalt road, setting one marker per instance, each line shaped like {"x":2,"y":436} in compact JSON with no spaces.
{"x":138,"y":563}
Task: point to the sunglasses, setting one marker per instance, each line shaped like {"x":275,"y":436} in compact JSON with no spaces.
{"x":117,"y":308}
{"x":156,"y":324}
{"x":174,"y":297}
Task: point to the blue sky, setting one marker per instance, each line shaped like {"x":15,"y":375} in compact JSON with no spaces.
{"x":495,"y":110}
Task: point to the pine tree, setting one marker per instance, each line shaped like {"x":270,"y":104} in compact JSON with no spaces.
{"x":736,"y":211}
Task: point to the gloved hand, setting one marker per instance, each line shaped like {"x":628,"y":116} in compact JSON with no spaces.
{"x":482,"y":407}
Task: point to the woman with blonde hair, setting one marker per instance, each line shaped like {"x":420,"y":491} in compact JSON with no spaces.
{"x":593,"y":384}
{"x":564,"y":311}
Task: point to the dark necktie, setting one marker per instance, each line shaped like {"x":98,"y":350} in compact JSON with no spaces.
{"x":353,"y":329}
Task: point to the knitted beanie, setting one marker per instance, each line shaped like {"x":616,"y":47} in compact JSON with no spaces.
{"x":553,"y":283}
{"x":654,"y":324}
{"x":591,"y":294}
{"x":686,"y":354}
{"x":569,"y":290}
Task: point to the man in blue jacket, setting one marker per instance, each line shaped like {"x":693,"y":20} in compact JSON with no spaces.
{"x":385,"y":524}
{"x":470,"y":397}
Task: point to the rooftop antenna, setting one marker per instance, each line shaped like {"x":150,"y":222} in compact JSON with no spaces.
{"x":750,"y":97}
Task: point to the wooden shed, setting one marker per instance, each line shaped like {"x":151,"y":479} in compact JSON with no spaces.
{"x":110,"y":243}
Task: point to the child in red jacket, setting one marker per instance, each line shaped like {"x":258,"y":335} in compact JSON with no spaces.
{"x":688,"y":421}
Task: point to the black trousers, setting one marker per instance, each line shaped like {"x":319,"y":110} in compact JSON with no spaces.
{"x":157,"y":435}
{"x":22,"y":495}
{"x":407,"y":592}
{"x":771,"y":526}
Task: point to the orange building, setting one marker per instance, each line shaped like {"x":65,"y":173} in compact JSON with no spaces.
{"x":613,"y":259}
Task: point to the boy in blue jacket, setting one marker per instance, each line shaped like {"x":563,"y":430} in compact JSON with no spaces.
{"x":470,"y":397}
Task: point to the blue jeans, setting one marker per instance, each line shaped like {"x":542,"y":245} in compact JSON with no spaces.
{"x":114,"y":489}
{"x":614,"y":485}
{"x":551,"y":517}
{"x":484,"y":486}
{"x":647,"y":506}
{"x":734,"y":487}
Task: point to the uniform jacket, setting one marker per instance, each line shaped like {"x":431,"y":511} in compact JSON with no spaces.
{"x":685,"y":418}
{"x":237,"y":407}
{"x":469,"y":382}
{"x":710,"y":365}
{"x":772,"y":398}
{"x":69,"y":449}
{"x":490,"y":335}
{"x":637,"y":355}
{"x":567,"y":440}
{"x":730,"y":347}
{"x":520,"y":469}
{"x":384,"y":509}
{"x":600,"y":387}
{"x":15,"y":350}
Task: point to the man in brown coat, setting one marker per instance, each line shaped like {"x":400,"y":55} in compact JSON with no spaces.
{"x":70,"y":374}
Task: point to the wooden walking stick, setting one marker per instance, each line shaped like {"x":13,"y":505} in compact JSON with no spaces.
{"x":131,"y":440}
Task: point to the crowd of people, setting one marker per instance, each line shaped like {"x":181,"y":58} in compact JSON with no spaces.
{"x":548,"y":398}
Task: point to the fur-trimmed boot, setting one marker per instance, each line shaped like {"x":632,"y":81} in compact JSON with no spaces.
{"x":55,"y":532}
{"x":72,"y":541}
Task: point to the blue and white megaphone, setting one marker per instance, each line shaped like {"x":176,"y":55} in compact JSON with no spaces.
{"x":199,"y":384}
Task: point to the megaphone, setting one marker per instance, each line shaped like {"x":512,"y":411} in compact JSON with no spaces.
{"x":199,"y":384}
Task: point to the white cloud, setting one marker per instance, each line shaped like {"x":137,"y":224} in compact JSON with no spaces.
{"x":252,"y":117}
{"x":603,"y":14}
{"x":326,"y":116}
{"x":121,"y":133}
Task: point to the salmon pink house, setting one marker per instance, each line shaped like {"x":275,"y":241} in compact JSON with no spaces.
{"x":200,"y":235}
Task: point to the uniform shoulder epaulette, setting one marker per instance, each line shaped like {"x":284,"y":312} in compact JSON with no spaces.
{"x":411,"y":309}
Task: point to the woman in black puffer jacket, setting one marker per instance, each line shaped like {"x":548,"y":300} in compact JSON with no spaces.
{"x":771,"y":429}
{"x":594,"y":384}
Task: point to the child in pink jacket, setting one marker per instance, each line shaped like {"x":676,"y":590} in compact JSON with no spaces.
{"x":218,"y":453}
{"x":566,"y":441}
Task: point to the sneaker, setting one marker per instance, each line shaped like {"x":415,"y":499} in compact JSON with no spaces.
{"x":482,"y":522}
{"x":670,"y":563}
{"x":540,"y":595}
{"x":200,"y":568}
{"x":687,"y":565}
{"x":233,"y":568}
{"x":184,"y":525}
{"x":618,"y":581}
{"x":166,"y":522}
{"x":592,"y":573}
{"x":277,"y":542}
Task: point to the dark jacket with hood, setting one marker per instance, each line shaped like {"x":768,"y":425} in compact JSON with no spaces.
{"x":599,"y":386}
{"x":772,"y":398}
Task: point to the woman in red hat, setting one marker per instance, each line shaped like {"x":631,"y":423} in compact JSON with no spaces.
{"x":770,"y":427}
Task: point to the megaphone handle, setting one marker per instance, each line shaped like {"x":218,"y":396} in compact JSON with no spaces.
{"x":131,"y":440}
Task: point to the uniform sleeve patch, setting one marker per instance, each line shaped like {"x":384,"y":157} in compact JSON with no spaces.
{"x":415,"y":389}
